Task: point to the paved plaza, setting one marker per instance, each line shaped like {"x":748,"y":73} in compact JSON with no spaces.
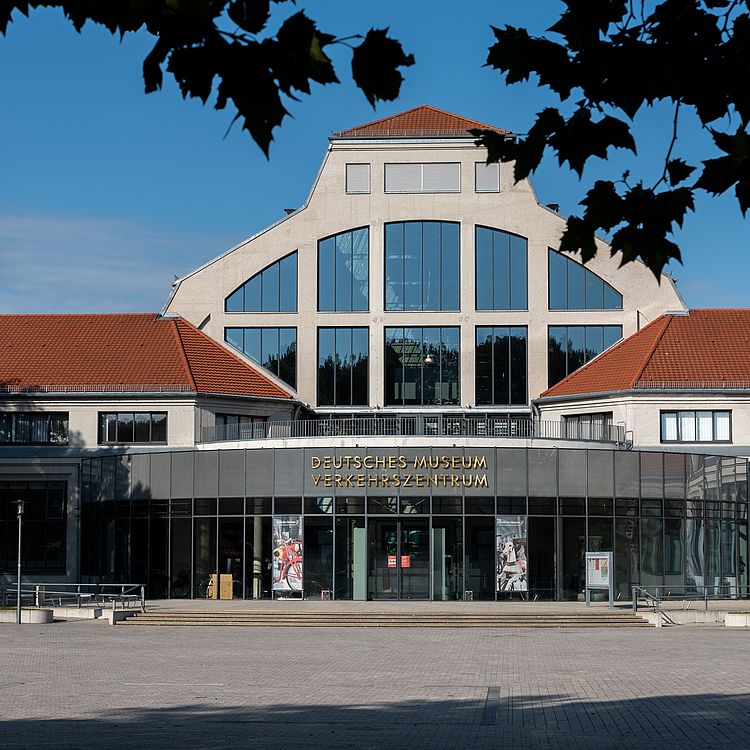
{"x":87,"y":684}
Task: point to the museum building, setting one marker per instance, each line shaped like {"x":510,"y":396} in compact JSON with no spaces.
{"x":400,"y":390}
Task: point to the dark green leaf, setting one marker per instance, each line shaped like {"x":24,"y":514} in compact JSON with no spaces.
{"x":375,"y":66}
{"x":250,"y":15}
{"x":678,"y":170}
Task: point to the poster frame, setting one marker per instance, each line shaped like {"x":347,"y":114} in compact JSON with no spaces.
{"x":609,"y":586}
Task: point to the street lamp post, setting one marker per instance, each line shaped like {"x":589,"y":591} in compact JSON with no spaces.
{"x":18,"y":590}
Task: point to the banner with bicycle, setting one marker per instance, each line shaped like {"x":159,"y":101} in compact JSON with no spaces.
{"x":287,"y":554}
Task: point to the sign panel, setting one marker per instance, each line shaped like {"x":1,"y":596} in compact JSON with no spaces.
{"x":391,"y":561}
{"x":512,"y":542}
{"x":406,"y":561}
{"x":287,"y":554}
{"x":597,"y":571}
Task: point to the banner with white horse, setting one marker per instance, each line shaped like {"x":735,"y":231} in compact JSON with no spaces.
{"x":512,"y":545}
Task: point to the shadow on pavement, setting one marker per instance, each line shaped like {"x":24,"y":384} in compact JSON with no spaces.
{"x":497,"y":720}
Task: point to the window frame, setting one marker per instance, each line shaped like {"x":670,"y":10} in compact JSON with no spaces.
{"x":421,"y":165}
{"x":493,"y":403}
{"x":678,"y":419}
{"x":494,"y":308}
{"x":566,"y":326}
{"x":478,"y":164}
{"x":278,"y":329}
{"x":50,"y":416}
{"x":422,"y":309}
{"x":421,"y":405}
{"x":101,"y":430}
{"x":336,"y":309}
{"x":260,"y":273}
{"x":369,"y":178}
{"x":586,"y":273}
{"x":335,"y":405}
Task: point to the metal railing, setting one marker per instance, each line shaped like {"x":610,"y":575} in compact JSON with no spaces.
{"x":422,"y":425}
{"x":659,"y":594}
{"x":76,"y":594}
{"x":692,"y":385}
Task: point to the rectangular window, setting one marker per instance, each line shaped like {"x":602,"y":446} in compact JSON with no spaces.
{"x":34,"y":428}
{"x":343,"y":366}
{"x":571,"y":347}
{"x":501,"y":366}
{"x":44,"y":527}
{"x":696,"y":426}
{"x":275,"y":349}
{"x":486,"y":177}
{"x":422,"y":266}
{"x":596,"y":426}
{"x":357,"y":178}
{"x":133,"y":427}
{"x":442,"y":177}
{"x":422,"y":366}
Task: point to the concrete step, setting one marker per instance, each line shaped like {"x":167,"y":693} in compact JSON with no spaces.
{"x":390,"y":619}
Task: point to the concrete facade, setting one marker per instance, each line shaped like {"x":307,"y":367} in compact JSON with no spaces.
{"x":199,"y":296}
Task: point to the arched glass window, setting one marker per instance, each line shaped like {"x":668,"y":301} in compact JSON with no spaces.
{"x":343,"y":271}
{"x":274,"y":289}
{"x":422,"y":265}
{"x":500,"y":270}
{"x":573,"y":287}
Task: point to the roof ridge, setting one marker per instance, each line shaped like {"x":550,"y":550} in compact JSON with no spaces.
{"x":667,"y":322}
{"x":181,"y":349}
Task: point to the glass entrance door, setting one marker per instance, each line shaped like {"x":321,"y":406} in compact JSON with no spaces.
{"x":399,"y":564}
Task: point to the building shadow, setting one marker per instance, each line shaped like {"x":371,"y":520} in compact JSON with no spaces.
{"x":495,"y":719}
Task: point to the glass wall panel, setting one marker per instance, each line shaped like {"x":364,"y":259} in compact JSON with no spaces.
{"x":572,"y":551}
{"x":447,"y":559}
{"x":422,"y":266}
{"x":204,"y":558}
{"x":158,"y":562}
{"x":500,"y":265}
{"x":652,"y":552}
{"x":351,"y":558}
{"x":422,"y":366}
{"x":728,"y":558}
{"x":541,"y":555}
{"x":480,"y":556}
{"x":318,"y":555}
{"x":574,"y":287}
{"x":230,"y":553}
{"x":712,"y":559}
{"x":274,"y":289}
{"x":181,"y":558}
{"x":627,"y":557}
{"x":343,"y":272}
{"x":258,"y":557}
{"x":673,"y":551}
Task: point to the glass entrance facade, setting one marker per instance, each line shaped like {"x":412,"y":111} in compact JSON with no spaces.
{"x":670,"y":518}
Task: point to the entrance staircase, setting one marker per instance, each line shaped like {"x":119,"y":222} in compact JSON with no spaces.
{"x":339,"y":619}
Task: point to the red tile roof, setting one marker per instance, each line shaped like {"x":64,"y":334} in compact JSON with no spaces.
{"x":121,"y":353}
{"x":422,"y":121}
{"x":704,"y":349}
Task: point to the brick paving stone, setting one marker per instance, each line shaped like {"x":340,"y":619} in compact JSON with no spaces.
{"x":85,"y":684}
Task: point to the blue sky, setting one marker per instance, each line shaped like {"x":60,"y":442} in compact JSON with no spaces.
{"x":106,"y":193}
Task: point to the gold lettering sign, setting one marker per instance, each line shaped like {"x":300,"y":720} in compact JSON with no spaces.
{"x":399,"y":471}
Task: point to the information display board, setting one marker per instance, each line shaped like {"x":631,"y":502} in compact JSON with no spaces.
{"x":599,"y":575}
